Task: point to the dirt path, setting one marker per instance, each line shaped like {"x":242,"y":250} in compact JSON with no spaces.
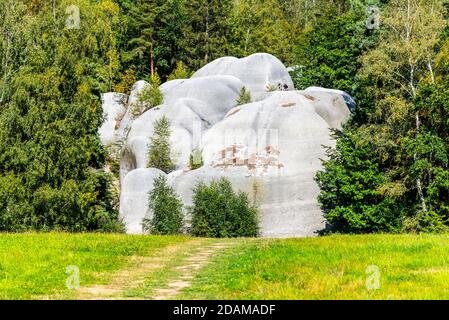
{"x":161,"y":276}
{"x":186,"y":271}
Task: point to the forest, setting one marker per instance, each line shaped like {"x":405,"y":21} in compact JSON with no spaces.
{"x":388,"y":173}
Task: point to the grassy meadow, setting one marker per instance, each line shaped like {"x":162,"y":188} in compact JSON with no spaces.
{"x":333,"y":267}
{"x":33,"y":266}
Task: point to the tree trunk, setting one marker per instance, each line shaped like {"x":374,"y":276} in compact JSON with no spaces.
{"x":413,"y":90}
{"x":415,"y":158}
{"x":432,"y":75}
{"x":206,"y":56}
{"x":247,"y":40}
{"x":152,"y":71}
{"x":6,"y":65}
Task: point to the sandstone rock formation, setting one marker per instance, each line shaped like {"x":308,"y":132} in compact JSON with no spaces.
{"x":270,"y":148}
{"x":258,"y":72}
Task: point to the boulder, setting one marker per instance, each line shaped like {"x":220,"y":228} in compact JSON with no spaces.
{"x":218,"y":93}
{"x":134,"y":195}
{"x":129,"y":117}
{"x":330,"y":105}
{"x":346,"y":97}
{"x":270,"y":149}
{"x":258,"y":72}
{"x":168,"y":86}
{"x":192,"y":107}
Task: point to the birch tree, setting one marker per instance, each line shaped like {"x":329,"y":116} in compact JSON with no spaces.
{"x":404,"y":58}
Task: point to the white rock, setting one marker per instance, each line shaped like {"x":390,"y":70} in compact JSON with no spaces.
{"x":168,"y":86}
{"x":128,"y":119}
{"x":278,"y":143}
{"x":134,"y":195}
{"x":192,"y":107}
{"x":256,"y":71}
{"x":275,"y":143}
{"x":347,"y":98}
{"x":218,"y":93}
{"x":330,"y":105}
{"x":114,"y":108}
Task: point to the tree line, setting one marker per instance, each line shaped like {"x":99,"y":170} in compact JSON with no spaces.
{"x":388,"y":173}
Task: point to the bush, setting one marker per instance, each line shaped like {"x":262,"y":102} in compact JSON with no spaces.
{"x":167,"y":210}
{"x":159,"y":153}
{"x":128,"y":79}
{"x":180,"y":72}
{"x":328,"y":54}
{"x":196,"y":160}
{"x":245,"y":97}
{"x":428,"y":222}
{"x":151,"y":96}
{"x":219,"y":212}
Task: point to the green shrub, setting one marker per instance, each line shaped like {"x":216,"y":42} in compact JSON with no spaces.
{"x":167,"y":210}
{"x":159,"y":151}
{"x":180,"y":72}
{"x":128,"y":78}
{"x":151,"y":96}
{"x":245,"y":97}
{"x":428,"y":222}
{"x":219,"y":212}
{"x":196,"y":159}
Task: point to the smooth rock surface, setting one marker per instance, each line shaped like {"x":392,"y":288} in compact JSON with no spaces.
{"x":192,"y":107}
{"x":277,"y":145}
{"x":257,"y":72}
{"x":346,"y":97}
{"x":330,"y":105}
{"x":134,"y":197}
{"x":128,"y":118}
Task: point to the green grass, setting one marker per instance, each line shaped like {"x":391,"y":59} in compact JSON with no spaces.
{"x":411,"y":267}
{"x":160,"y":277}
{"x":34,"y":265}
{"x":334,"y":267}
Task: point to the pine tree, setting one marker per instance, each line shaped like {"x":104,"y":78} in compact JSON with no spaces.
{"x":351,"y":189}
{"x":207,"y":31}
{"x":244,"y":97}
{"x":327,"y":55}
{"x":153,"y":40}
{"x":166,"y":208}
{"x":180,"y":72}
{"x":159,"y":149}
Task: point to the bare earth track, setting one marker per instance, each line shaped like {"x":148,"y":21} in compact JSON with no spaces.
{"x":173,"y":269}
